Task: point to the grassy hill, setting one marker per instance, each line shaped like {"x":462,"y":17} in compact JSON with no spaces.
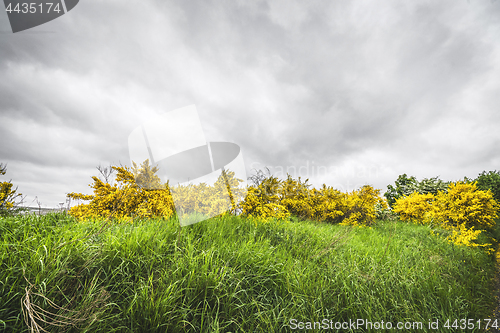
{"x":234,"y":275}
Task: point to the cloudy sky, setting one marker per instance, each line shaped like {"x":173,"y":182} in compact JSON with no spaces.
{"x":341,"y":92}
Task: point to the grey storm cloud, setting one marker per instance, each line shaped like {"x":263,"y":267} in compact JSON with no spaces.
{"x":365,"y":90}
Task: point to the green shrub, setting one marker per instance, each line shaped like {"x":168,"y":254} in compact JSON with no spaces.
{"x":404,"y":186}
{"x":490,"y":181}
{"x":432,"y":185}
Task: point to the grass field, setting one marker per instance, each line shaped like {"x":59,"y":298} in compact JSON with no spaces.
{"x":233,"y":275}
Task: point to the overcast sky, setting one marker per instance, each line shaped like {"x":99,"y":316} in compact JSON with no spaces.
{"x":346,"y":92}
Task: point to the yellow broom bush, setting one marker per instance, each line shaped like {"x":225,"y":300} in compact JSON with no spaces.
{"x":361,"y":206}
{"x":297,"y":198}
{"x":273,"y":198}
{"x":416,"y":207}
{"x":265,"y":200}
{"x":138,"y":192}
{"x":124,"y":200}
{"x":329,"y":204}
{"x":223,"y":196}
{"x":463,"y":209}
{"x":8,"y":195}
{"x":465,"y":204}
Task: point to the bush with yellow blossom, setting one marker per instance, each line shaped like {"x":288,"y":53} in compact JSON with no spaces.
{"x":140,"y":193}
{"x":137,"y":193}
{"x":463,"y":210}
{"x":8,"y":195}
{"x":293,"y":197}
{"x":416,"y":207}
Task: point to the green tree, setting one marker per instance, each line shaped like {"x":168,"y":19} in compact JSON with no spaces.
{"x":432,"y":185}
{"x":407,"y":185}
{"x":490,"y":181}
{"x":404,"y":186}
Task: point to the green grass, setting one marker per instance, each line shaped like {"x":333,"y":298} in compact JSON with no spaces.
{"x":233,"y":275}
